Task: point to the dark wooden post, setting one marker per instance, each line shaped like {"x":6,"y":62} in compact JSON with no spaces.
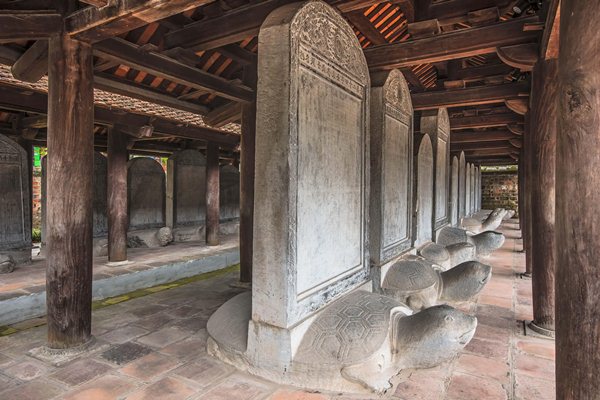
{"x":212,"y":194}
{"x":247,"y":154}
{"x":70,"y":189}
{"x":544,"y":109}
{"x":117,"y":196}
{"x":527,"y":197}
{"x":578,"y":203}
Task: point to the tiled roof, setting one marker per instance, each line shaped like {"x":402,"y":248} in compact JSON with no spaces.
{"x":125,"y":103}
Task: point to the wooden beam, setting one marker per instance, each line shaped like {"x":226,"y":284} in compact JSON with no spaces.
{"x":116,"y":195}
{"x":212,"y":194}
{"x":499,"y":151}
{"x":162,"y":66}
{"x":221,"y":116}
{"x":112,"y":84}
{"x":480,"y":136}
{"x":244,"y":22}
{"x":28,"y":25}
{"x":469,"y":96}
{"x":231,"y":27}
{"x":521,"y":56}
{"x":448,"y":46}
{"x":549,"y":42}
{"x":362,"y":23}
{"x":69,"y":219}
{"x":520,"y":105}
{"x":13,"y":98}
{"x":33,"y":64}
{"x":485,"y":121}
{"x":454,"y":8}
{"x":479,"y":72}
{"x":480,"y":146}
{"x":93,"y":24}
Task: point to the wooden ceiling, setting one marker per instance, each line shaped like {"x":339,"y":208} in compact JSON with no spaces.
{"x":472,"y":56}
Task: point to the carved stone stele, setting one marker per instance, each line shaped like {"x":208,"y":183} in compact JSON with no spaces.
{"x":310,"y":320}
{"x":15,"y":220}
{"x":391,"y":167}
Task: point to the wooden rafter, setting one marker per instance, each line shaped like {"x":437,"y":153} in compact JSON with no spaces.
{"x":162,"y":66}
{"x":470,"y":96}
{"x":453,"y":45}
{"x":28,"y":25}
{"x":485,"y":121}
{"x":94,"y":24}
{"x":13,"y":98}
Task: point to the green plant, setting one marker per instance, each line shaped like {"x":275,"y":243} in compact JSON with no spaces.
{"x":36,"y":235}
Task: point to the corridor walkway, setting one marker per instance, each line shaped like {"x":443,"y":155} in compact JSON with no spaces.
{"x":154,"y":347}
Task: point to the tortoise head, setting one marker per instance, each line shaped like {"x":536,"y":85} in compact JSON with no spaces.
{"x":465,"y":281}
{"x":432,"y":336}
{"x":488,"y":241}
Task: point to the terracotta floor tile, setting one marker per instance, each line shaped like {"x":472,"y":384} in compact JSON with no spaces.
{"x":38,"y":389}
{"x":502,"y":302}
{"x":422,"y":385}
{"x":528,"y":388}
{"x":163,"y":337}
{"x":237,"y":387}
{"x":190,"y":348}
{"x":149,"y":366}
{"x":80,"y":371}
{"x":540,"y":347}
{"x":488,"y":348}
{"x":168,"y":388}
{"x":107,"y":387}
{"x":26,"y":370}
{"x":123,"y":334}
{"x":468,"y":387}
{"x":286,"y":394}
{"x":204,"y":371}
{"x":535,"y":367}
{"x":483,"y":367}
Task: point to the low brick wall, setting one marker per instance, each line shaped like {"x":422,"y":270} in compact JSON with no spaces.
{"x":499,"y":189}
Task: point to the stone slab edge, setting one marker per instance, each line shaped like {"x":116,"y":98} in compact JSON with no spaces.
{"x":24,"y":307}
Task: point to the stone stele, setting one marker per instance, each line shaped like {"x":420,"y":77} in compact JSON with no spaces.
{"x":391,"y":167}
{"x":311,"y":262}
{"x":15,"y":220}
{"x":436,"y":124}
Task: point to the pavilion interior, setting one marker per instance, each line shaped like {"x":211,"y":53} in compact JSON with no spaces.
{"x":132,"y":137}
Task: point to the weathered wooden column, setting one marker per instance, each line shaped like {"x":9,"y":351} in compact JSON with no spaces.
{"x":117,"y":196}
{"x":212,"y":194}
{"x":247,"y":158}
{"x":70,"y":189}
{"x":527,"y":197}
{"x":578,"y":203}
{"x":543,"y":127}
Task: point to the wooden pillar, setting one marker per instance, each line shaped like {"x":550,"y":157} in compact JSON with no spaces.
{"x":212,"y":194}
{"x":70,"y":189}
{"x":578,"y":203}
{"x":543,"y":127}
{"x":520,"y":188}
{"x":117,"y":196}
{"x":247,"y":154}
{"x":527,"y":197}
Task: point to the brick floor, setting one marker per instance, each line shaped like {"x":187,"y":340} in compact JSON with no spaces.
{"x":158,"y":351}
